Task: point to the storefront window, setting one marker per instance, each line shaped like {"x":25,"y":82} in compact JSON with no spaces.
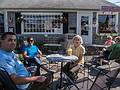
{"x":107,"y":23}
{"x":43,"y":23}
{"x":1,"y":23}
{"x":84,"y":25}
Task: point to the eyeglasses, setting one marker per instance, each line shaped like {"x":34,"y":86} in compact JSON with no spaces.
{"x":31,"y":40}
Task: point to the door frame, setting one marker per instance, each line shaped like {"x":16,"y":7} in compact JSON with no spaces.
{"x":86,"y":39}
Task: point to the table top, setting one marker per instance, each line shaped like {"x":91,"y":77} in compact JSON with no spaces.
{"x":61,"y":58}
{"x":113,"y":65}
{"x":96,"y":45}
{"x":58,"y":45}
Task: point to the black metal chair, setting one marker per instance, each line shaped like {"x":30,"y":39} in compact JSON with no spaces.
{"x":100,"y":72}
{"x":6,"y":80}
{"x":104,"y":80}
{"x":48,"y":74}
{"x":8,"y":84}
{"x":83,"y":69}
{"x":70,"y":78}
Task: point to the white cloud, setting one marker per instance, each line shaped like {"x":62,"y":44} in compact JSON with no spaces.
{"x":117,"y":2}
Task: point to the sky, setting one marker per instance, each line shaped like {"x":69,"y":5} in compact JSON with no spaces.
{"x":117,"y":2}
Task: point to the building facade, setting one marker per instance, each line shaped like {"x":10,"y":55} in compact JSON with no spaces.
{"x":60,"y":19}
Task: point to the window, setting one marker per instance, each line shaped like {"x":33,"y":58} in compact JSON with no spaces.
{"x":107,"y":23}
{"x":84,"y":25}
{"x":1,"y":23}
{"x":48,"y":23}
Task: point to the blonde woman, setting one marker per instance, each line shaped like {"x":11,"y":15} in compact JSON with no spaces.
{"x":78,"y":50}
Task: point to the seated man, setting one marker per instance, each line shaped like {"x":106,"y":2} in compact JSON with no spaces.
{"x":111,"y":52}
{"x":13,"y":66}
{"x":32,"y":53}
{"x":78,"y":50}
{"x":114,"y":50}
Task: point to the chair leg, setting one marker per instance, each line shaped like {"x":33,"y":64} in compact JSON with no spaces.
{"x":52,"y":82}
{"x":72,"y":82}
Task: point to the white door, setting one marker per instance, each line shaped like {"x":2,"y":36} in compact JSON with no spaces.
{"x":85,"y":27}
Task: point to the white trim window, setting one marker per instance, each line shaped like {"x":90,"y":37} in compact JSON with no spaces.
{"x":42,"y":23}
{"x":1,"y":23}
{"x":107,"y":23}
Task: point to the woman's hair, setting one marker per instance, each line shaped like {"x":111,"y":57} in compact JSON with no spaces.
{"x":109,"y":37}
{"x":78,"y":36}
{"x":28,"y":39}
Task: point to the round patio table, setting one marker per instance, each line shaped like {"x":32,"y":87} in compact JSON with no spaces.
{"x":61,"y":58}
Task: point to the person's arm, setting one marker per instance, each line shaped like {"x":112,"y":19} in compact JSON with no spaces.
{"x":25,"y":55}
{"x":24,"y":80}
{"x":80,"y":58}
{"x":110,"y":47}
{"x":113,"y":42}
{"x":105,"y":43}
{"x":81,"y":55}
{"x":39,"y":55}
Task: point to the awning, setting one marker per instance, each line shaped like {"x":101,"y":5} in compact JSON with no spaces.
{"x":110,"y":9}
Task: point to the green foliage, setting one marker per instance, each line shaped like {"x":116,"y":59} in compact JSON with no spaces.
{"x":39,"y":43}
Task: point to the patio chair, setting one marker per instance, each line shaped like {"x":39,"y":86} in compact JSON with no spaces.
{"x":68,"y":83}
{"x":104,"y":69}
{"x":6,"y":80}
{"x":49,"y":76}
{"x":83,"y":69}
{"x":104,"y":80}
{"x":71,"y":83}
{"x":8,"y":84}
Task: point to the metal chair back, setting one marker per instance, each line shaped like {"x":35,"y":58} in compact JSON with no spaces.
{"x":103,"y":80}
{"x":6,"y":80}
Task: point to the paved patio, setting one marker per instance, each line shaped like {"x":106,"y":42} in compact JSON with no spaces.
{"x":56,"y":68}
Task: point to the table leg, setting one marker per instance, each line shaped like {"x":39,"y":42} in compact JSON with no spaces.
{"x":61,"y":78}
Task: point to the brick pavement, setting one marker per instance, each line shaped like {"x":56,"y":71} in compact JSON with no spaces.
{"x":115,"y":86}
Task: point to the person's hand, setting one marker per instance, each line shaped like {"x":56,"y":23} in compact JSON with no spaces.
{"x":38,"y":56}
{"x":40,"y":78}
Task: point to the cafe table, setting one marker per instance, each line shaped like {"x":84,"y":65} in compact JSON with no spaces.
{"x":61,"y":58}
{"x":97,"y":51}
{"x":97,"y":47}
{"x":52,"y":47}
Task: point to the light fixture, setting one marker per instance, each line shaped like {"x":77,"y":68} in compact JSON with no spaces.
{"x":20,"y":19}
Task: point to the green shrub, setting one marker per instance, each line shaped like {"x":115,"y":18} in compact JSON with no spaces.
{"x":39,"y":43}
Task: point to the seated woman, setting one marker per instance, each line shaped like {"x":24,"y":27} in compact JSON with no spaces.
{"x":79,"y":51}
{"x":32,"y":54}
{"x":109,"y":41}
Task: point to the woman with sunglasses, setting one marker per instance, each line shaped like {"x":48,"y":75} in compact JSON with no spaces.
{"x":32,"y":54}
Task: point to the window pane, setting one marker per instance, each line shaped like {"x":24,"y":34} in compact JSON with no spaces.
{"x":107,"y":23}
{"x":1,"y":23}
{"x":43,"y":22}
{"x":84,"y":25}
